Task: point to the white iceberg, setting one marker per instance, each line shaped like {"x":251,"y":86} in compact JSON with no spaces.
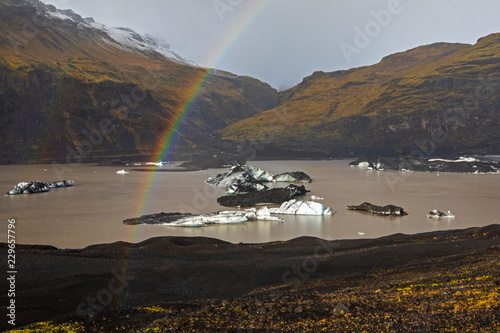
{"x":297,"y":207}
{"x":225,"y":217}
{"x":122,"y":172}
{"x":315,"y":197}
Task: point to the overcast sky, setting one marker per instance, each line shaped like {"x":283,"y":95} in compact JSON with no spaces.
{"x":283,"y":41}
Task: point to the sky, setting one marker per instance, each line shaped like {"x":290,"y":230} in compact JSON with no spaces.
{"x":282,"y":41}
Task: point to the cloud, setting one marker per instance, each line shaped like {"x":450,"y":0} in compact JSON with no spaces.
{"x":290,"y":39}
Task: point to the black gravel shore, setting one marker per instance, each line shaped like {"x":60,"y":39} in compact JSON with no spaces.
{"x":185,"y":283}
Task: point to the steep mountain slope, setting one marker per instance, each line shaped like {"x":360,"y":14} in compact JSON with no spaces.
{"x":435,"y":99}
{"x":74,"y":90}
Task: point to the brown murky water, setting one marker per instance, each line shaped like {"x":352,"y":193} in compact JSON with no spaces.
{"x":92,"y":211}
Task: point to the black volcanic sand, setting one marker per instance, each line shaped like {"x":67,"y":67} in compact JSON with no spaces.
{"x":440,"y":281}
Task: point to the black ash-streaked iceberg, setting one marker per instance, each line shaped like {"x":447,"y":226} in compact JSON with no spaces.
{"x":437,"y":214}
{"x":38,"y":186}
{"x":389,"y":210}
{"x":244,"y":179}
{"x":293,"y":177}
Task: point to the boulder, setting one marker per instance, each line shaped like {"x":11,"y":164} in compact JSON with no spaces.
{"x":340,"y":308}
{"x":379,"y":210}
{"x":297,"y":207}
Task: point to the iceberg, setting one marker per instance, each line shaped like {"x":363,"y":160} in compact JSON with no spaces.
{"x":259,"y":174}
{"x":237,"y":180}
{"x":122,"y":172}
{"x":293,"y":177}
{"x":225,"y":217}
{"x":245,"y":179}
{"x":379,"y":210}
{"x":203,"y":220}
{"x":298,"y":207}
{"x":439,"y":214}
{"x":37,"y":186}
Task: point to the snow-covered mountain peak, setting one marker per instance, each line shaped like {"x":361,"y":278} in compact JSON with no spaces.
{"x":123,"y":38}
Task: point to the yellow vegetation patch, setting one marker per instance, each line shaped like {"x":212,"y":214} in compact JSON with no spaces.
{"x":50,"y":326}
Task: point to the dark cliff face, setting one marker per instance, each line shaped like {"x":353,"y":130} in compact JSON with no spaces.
{"x":45,"y":116}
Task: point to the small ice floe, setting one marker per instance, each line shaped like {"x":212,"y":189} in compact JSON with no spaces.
{"x":439,"y":214}
{"x":122,"y":172}
{"x":361,"y":233}
{"x":160,"y":163}
{"x":315,"y":197}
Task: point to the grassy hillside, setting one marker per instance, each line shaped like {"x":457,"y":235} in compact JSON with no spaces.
{"x":445,"y":90}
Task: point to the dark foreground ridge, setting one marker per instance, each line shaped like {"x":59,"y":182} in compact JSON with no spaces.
{"x":438,"y":281}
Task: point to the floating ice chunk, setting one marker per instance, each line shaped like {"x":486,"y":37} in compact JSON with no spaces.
{"x":157,"y":163}
{"x":361,"y":233}
{"x":264,"y":214}
{"x":297,"y":207}
{"x":315,"y":197}
{"x":122,"y":172}
{"x":439,"y":214}
{"x":259,"y":174}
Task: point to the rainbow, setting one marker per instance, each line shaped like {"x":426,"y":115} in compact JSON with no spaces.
{"x":168,"y":138}
{"x":250,"y":11}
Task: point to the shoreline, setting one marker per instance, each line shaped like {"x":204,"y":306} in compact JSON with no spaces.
{"x":192,"y":276}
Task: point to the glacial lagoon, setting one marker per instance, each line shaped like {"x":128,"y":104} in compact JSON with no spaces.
{"x":92,"y":211}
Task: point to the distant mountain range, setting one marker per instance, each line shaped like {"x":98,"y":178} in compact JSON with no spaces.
{"x":75,"y":90}
{"x":438,"y":99}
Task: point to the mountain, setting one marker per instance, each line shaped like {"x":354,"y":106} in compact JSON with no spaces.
{"x":435,"y":99}
{"x":75,"y":90}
